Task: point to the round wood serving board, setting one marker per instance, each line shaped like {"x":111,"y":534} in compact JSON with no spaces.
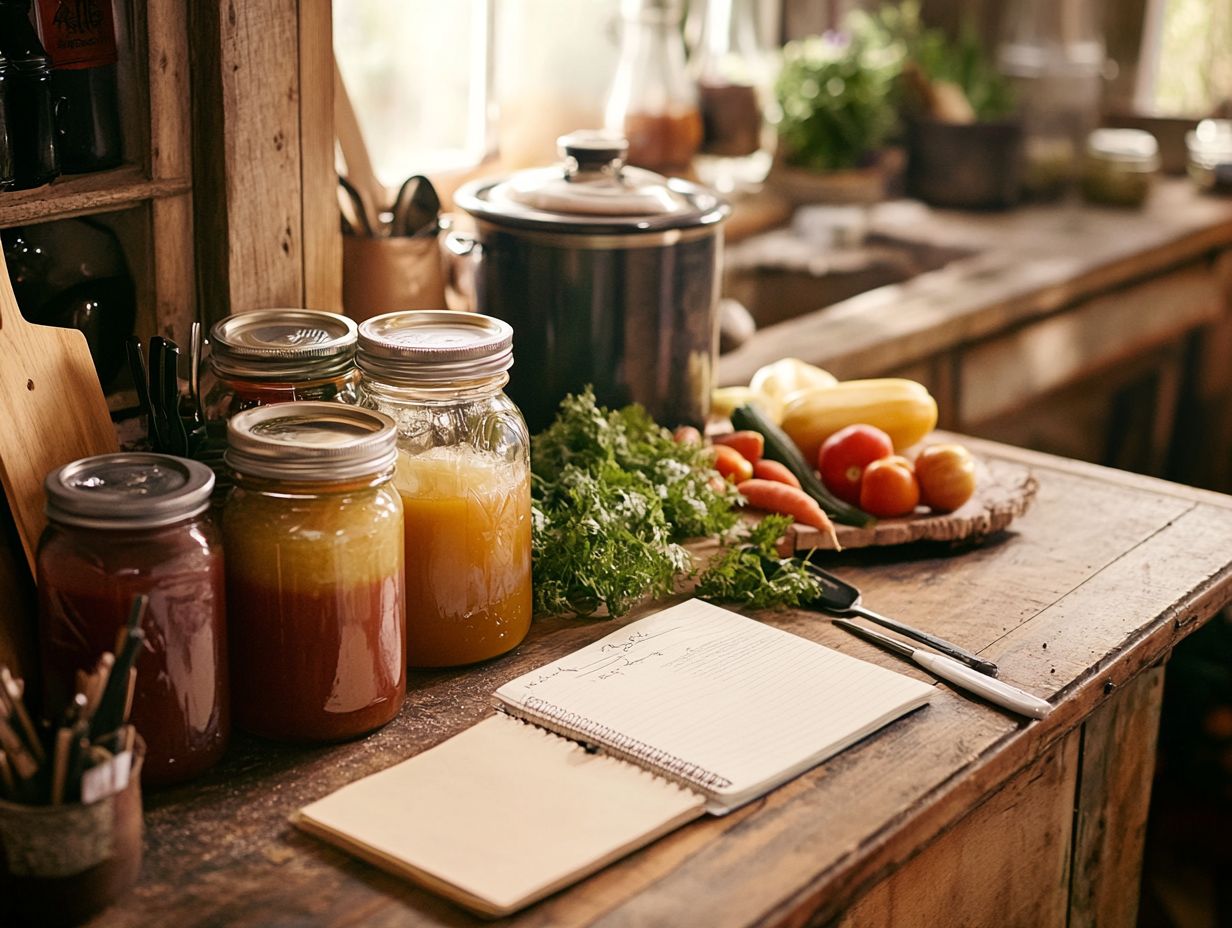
{"x":1003,"y":491}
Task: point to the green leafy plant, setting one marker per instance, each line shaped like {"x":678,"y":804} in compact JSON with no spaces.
{"x":752,"y":574}
{"x":613,"y":495}
{"x":962,"y":62}
{"x":834,"y":96}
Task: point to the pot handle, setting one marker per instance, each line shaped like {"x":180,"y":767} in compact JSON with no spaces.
{"x":462,"y":245}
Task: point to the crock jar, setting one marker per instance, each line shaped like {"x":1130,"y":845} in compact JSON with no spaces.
{"x":315,"y":586}
{"x":463,"y":475}
{"x":120,"y":525}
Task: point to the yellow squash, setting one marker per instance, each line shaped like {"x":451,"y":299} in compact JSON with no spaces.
{"x":903,"y":409}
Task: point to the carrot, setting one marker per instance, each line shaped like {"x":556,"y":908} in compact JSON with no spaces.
{"x":750,"y":444}
{"x":779,"y":497}
{"x":766,"y":469}
{"x":731,"y":464}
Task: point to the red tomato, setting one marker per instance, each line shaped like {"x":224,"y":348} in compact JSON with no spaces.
{"x":845,"y":454}
{"x":750,"y":444}
{"x":732,"y":464}
{"x":889,"y":488}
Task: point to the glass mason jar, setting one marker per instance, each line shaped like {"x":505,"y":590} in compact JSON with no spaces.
{"x":735,"y":79}
{"x":653,"y":101}
{"x":464,"y":477}
{"x":120,"y":525}
{"x":270,"y":356}
{"x":314,"y":576}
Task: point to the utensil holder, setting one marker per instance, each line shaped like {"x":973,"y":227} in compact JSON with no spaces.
{"x":60,"y":865}
{"x":382,"y":275}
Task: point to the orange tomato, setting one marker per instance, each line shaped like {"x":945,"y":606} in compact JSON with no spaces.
{"x":732,"y":464}
{"x":947,"y":476}
{"x":889,"y":488}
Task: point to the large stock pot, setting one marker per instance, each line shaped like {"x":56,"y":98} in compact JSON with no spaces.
{"x":609,"y":276}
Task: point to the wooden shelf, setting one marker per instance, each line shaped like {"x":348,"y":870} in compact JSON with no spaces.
{"x":86,"y":194}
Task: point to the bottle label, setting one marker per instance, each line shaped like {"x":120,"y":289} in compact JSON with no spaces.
{"x":77,"y":33}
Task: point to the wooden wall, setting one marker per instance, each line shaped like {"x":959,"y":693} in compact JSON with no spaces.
{"x":263,"y":173}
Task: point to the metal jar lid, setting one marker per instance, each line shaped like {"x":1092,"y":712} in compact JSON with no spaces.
{"x":270,"y":344}
{"x":310,"y":442}
{"x":592,"y":191}
{"x":127,"y":491}
{"x":434,"y":346}
{"x":1127,"y":149}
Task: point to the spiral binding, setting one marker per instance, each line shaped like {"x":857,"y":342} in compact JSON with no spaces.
{"x":586,"y":729}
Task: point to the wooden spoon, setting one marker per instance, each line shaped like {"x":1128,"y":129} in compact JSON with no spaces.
{"x":52,"y":410}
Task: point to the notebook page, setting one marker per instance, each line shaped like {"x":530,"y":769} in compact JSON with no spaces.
{"x":718,"y":700}
{"x":500,"y":815}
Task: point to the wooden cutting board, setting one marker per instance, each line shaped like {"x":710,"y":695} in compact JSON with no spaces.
{"x":52,"y":410}
{"x":1004,"y":491}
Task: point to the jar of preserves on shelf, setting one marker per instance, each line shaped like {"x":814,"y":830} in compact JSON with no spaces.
{"x":463,"y":475}
{"x":1120,"y":167}
{"x":120,"y":525}
{"x":270,"y":356}
{"x":315,"y":585}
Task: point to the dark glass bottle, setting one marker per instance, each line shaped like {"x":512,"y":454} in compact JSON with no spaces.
{"x":27,"y":96}
{"x":6,"y":154}
{"x":80,"y":39}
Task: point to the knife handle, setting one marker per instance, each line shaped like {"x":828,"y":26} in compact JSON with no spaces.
{"x":990,"y":688}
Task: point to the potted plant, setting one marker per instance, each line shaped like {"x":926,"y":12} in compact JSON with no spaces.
{"x":836,"y":110}
{"x":964,"y":149}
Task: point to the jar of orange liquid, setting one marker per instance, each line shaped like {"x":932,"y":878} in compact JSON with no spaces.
{"x":464,"y":477}
{"x":315,"y":595}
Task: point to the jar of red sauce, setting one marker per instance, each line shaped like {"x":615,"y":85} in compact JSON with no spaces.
{"x":315,"y":584}
{"x":120,"y":525}
{"x":270,"y":356}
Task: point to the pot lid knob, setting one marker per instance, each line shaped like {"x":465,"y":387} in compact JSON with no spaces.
{"x":589,"y":151}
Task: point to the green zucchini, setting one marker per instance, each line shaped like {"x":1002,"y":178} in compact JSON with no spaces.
{"x":782,"y":449}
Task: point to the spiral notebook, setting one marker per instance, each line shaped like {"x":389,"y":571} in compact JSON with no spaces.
{"x":691,"y":710}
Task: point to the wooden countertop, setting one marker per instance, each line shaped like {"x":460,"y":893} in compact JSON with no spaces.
{"x":1097,"y":582}
{"x":1028,"y":263}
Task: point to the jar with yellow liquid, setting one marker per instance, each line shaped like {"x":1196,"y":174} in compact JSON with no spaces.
{"x":463,"y":474}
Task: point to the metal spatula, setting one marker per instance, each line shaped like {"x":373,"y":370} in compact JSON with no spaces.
{"x":52,"y":410}
{"x":838,"y":597}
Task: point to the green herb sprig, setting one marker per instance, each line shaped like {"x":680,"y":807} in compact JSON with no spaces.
{"x":752,"y":574}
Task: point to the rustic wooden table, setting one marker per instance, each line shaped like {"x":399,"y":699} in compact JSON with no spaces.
{"x":959,"y":814}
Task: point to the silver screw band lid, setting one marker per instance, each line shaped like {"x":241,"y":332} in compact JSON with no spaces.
{"x":128,"y":490}
{"x":310,"y":442}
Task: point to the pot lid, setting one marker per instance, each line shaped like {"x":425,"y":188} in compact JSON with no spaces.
{"x":592,"y":189}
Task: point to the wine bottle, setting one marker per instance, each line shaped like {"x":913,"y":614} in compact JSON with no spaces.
{"x":80,"y":39}
{"x":28,"y":99}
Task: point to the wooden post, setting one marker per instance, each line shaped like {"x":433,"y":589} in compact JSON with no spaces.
{"x":264,"y":190}
{"x":1114,"y":794}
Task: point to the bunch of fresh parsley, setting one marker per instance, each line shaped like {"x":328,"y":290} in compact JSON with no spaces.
{"x":613,"y":497}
